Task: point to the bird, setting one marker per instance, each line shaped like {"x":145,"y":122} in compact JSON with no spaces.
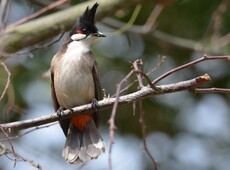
{"x":75,"y":81}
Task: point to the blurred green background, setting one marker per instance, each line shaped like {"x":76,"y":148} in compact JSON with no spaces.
{"x":185,"y":131}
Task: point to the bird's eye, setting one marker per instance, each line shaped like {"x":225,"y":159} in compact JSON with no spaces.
{"x":80,"y":31}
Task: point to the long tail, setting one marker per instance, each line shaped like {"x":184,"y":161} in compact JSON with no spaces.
{"x":83,"y":146}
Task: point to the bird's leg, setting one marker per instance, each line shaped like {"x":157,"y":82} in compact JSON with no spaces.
{"x":95,"y":104}
{"x":60,"y":111}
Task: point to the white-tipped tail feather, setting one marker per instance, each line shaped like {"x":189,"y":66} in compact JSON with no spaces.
{"x":83,"y":146}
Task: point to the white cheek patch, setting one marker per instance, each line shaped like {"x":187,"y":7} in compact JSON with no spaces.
{"x":77,"y":37}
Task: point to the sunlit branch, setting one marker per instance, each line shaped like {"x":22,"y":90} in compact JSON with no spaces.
{"x":108,"y":103}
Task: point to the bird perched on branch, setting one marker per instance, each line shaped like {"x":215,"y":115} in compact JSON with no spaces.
{"x":75,"y":81}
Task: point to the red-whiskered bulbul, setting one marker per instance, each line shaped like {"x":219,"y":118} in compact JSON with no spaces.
{"x":75,"y":81}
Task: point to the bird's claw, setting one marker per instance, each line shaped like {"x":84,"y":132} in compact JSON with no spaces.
{"x":95,"y":104}
{"x":60,"y":111}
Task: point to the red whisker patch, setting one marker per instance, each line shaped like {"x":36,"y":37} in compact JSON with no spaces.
{"x":79,"y":31}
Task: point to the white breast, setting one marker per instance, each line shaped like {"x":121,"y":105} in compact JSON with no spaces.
{"x":75,"y":85}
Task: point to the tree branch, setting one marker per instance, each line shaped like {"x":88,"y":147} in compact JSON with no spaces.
{"x":49,"y":26}
{"x":111,"y":120}
{"x":8,"y":79}
{"x":205,"y":58}
{"x":143,"y":129}
{"x":108,"y":103}
{"x":38,"y":13}
{"x":212,"y":90}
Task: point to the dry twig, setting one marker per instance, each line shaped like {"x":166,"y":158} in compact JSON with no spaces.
{"x":6,"y":151}
{"x":136,"y":65}
{"x":146,"y":76}
{"x":37,"y":47}
{"x":5,"y":7}
{"x":8,"y":80}
{"x":25,"y":133}
{"x":212,"y":90}
{"x":205,"y":58}
{"x":143,"y":128}
{"x":111,"y":120}
{"x":11,"y":145}
{"x":38,"y":13}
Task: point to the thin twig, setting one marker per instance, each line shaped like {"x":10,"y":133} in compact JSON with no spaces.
{"x":53,"y":41}
{"x":5,"y":8}
{"x":31,"y":162}
{"x":159,"y":63}
{"x":9,"y":151}
{"x":38,"y":13}
{"x":147,"y":79}
{"x":212,"y":90}
{"x":215,"y":26}
{"x":151,"y":21}
{"x":111,"y":120}
{"x":11,"y":145}
{"x":38,"y":47}
{"x":141,"y":73}
{"x":156,"y":34}
{"x":137,"y":71}
{"x":131,"y":20}
{"x":143,"y":128}
{"x":205,"y":58}
{"x":8,"y":80}
{"x":126,"y":88}
{"x":27,"y":132}
{"x":3,"y":149}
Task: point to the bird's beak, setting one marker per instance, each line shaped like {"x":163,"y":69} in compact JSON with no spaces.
{"x":99,"y":34}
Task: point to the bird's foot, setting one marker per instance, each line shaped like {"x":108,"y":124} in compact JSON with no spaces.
{"x":95,"y":104}
{"x":60,"y":111}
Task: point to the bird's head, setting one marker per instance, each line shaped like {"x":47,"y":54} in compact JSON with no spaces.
{"x":86,"y":28}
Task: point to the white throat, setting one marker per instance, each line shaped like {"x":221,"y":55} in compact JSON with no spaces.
{"x":75,"y":51}
{"x":78,"y":47}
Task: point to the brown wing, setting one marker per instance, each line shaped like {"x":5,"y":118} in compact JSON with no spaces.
{"x":63,"y":123}
{"x":53,"y":94}
{"x":98,"y":90}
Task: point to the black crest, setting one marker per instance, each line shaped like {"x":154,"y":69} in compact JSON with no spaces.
{"x":86,"y":22}
{"x":89,"y":15}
